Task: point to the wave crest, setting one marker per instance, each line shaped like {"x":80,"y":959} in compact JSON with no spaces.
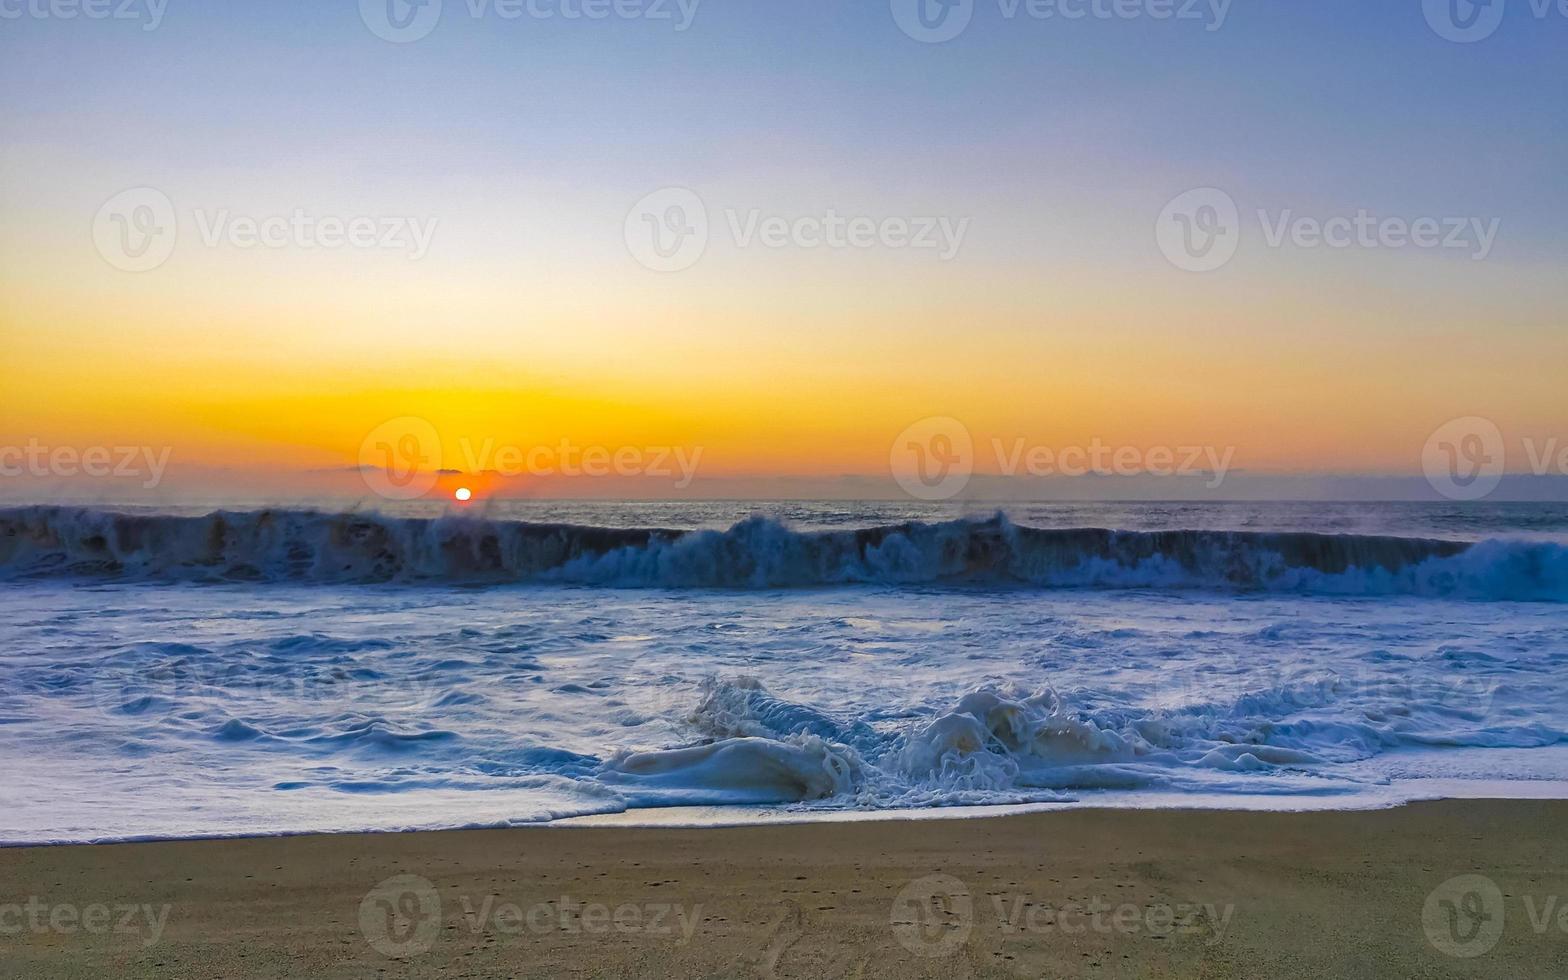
{"x":289,"y":545}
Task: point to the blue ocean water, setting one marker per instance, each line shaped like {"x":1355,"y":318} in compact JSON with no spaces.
{"x":185,"y":672}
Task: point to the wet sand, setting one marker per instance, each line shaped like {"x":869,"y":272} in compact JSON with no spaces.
{"x":1082,"y":893}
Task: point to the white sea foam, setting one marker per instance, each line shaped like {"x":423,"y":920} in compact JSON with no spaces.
{"x":760,"y":553}
{"x":241,"y":687}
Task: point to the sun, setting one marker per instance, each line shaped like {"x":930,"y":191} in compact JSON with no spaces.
{"x":463,"y":493}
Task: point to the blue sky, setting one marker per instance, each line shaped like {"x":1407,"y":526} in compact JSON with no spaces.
{"x":1058,"y":140}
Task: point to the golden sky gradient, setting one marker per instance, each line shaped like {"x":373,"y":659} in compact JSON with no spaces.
{"x":529,"y":321}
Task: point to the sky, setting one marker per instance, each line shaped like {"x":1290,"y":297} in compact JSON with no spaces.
{"x":775,"y":237}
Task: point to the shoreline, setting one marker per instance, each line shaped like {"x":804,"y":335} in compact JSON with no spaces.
{"x":1073,"y":892}
{"x":696,"y":817}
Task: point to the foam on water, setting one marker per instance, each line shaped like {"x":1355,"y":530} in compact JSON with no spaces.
{"x":759,"y":553}
{"x":286,"y":672}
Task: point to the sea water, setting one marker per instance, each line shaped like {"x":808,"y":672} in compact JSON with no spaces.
{"x":186,"y":671}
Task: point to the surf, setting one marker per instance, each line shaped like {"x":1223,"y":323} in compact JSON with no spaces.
{"x":285,"y":545}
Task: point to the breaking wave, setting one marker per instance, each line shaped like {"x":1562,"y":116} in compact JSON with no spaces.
{"x":1001,"y":746}
{"x":759,"y":553}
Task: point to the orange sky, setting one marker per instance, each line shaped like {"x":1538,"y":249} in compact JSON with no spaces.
{"x":529,"y":320}
{"x":250,"y":379}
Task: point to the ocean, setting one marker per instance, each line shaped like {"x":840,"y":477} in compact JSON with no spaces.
{"x":189,"y":672}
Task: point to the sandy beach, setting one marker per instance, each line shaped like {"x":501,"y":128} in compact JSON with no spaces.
{"x":1091,"y":893}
